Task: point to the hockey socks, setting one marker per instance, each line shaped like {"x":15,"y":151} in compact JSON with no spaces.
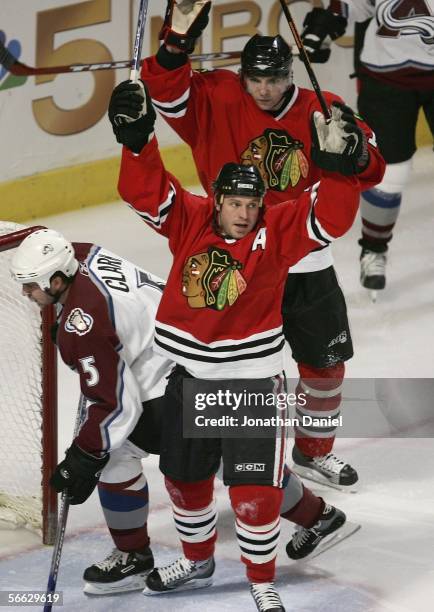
{"x":257,"y":526}
{"x":125,"y":507}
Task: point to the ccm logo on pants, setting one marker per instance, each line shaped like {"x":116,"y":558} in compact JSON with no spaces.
{"x":250,"y":467}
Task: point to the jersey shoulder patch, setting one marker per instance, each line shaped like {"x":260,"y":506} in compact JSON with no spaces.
{"x":78,"y":322}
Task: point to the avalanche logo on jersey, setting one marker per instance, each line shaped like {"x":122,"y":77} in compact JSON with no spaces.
{"x":406,"y":18}
{"x":78,"y":322}
{"x":278,"y":157}
{"x":212,"y":279}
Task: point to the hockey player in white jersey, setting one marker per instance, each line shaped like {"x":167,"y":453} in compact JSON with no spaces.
{"x":396,"y":80}
{"x":105,"y":327}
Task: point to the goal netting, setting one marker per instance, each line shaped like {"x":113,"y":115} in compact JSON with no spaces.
{"x":28,"y":432}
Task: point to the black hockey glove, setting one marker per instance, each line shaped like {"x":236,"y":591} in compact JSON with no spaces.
{"x":79,"y":473}
{"x":317,"y":25}
{"x":341,"y":145}
{"x":184,"y":22}
{"x":132,"y":115}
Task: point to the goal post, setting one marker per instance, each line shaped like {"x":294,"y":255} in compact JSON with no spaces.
{"x":28,"y":401}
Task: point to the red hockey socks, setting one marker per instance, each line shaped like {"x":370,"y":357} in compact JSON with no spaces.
{"x":257,"y":524}
{"x":322,"y":387}
{"x":195,"y":515}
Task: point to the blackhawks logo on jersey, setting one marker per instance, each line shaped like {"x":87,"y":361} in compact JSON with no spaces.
{"x":278,"y":157}
{"x":212,"y":279}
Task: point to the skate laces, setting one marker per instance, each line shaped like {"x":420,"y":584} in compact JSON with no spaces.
{"x":300,"y":537}
{"x":373,"y":264}
{"x":329,"y":462}
{"x":266,"y":596}
{"x":176,"y":570}
{"x":116,"y":557}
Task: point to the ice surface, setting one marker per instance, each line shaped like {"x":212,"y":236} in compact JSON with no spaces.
{"x":388,"y":565}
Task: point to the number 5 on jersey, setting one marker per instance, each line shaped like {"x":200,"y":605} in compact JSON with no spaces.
{"x":89,"y":368}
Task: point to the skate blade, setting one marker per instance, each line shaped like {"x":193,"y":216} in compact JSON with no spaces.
{"x":131,"y":583}
{"x":347,"y":530}
{"x":315,"y":476}
{"x":188,"y":586}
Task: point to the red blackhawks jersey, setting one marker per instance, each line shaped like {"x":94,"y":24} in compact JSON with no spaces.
{"x":220,"y":121}
{"x":105,"y":333}
{"x":220,"y":315}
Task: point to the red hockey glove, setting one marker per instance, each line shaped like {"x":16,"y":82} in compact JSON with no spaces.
{"x":184,"y":22}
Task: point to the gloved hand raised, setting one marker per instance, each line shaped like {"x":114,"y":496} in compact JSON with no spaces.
{"x":317,"y":25}
{"x":132,"y":115}
{"x":79,"y":473}
{"x":341,"y":145}
{"x":184,"y":23}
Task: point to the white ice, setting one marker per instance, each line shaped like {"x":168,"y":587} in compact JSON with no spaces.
{"x":388,"y":565}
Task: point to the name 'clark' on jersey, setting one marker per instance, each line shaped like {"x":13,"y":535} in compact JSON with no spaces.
{"x":399,"y":41}
{"x":221,"y":122}
{"x":220,"y":314}
{"x":105,"y":333}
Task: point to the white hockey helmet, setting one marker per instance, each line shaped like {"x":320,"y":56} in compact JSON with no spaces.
{"x":42,"y":254}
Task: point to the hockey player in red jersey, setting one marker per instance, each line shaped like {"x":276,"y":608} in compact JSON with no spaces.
{"x":396,"y":81}
{"x":261,"y":117}
{"x":220,"y":320}
{"x":106,"y":313}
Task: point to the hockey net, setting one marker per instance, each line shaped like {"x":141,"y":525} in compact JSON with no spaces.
{"x":28,"y":396}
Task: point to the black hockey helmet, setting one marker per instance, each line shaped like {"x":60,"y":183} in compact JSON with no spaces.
{"x":266,"y":56}
{"x":237,"y":179}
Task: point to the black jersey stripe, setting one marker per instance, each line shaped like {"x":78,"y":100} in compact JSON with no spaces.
{"x":204,"y":358}
{"x":227,"y":348}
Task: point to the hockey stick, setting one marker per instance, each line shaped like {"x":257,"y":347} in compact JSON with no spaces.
{"x":19,"y":69}
{"x":61,"y":523}
{"x":304,"y":58}
{"x":121,"y":119}
{"x":141,"y":22}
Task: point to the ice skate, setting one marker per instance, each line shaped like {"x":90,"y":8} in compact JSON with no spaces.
{"x":327,"y":469}
{"x":119,"y":572}
{"x":266,"y":597}
{"x":373,"y":271}
{"x":181,"y":575}
{"x":305,"y":541}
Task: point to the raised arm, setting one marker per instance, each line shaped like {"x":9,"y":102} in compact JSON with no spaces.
{"x":154,"y":194}
{"x":181,"y":96}
{"x":327,"y":210}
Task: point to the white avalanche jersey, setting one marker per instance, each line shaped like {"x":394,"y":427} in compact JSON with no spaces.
{"x":400,"y":35}
{"x":106,"y":333}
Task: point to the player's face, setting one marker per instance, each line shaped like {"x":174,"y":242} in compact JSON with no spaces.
{"x":238,"y":215}
{"x":36,"y":294}
{"x":267,"y":91}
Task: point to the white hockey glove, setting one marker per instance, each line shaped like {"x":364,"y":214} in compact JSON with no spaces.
{"x":341,"y":145}
{"x":184,"y":23}
{"x":132,"y":115}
